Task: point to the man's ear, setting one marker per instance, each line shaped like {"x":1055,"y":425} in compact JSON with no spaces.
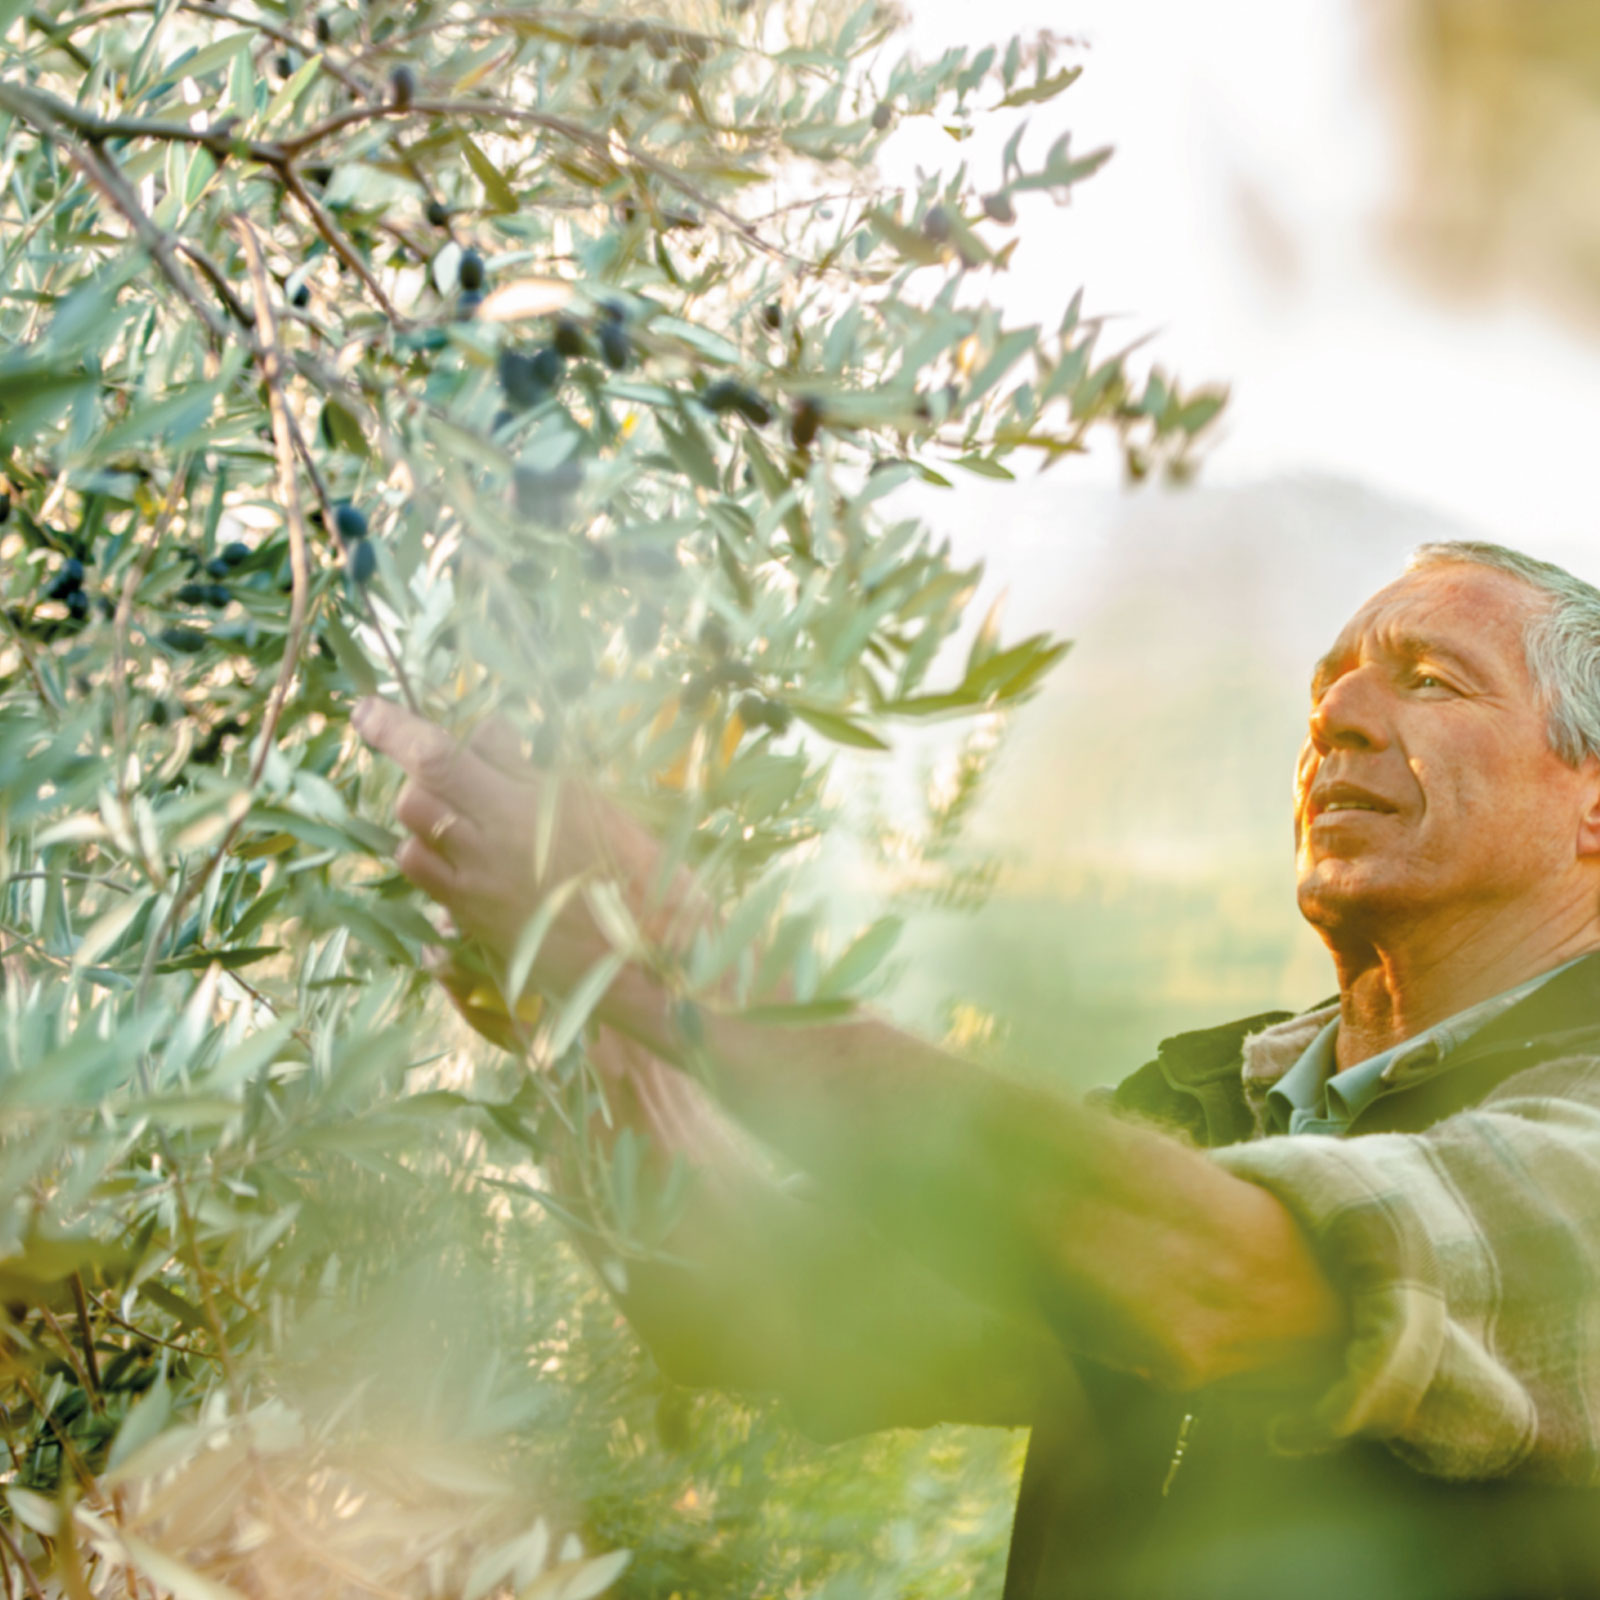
{"x":1589,"y":820}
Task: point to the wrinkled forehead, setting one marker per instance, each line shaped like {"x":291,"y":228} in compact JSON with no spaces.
{"x":1474,"y":614}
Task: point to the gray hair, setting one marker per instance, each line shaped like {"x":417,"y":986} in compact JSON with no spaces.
{"x":1561,"y":641}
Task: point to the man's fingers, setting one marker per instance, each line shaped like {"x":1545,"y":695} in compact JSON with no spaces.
{"x":498,"y":743}
{"x":435,"y":822}
{"x":422,"y":748}
{"x":429,"y":870}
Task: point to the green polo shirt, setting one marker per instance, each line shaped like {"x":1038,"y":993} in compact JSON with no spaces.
{"x":1313,"y":1096}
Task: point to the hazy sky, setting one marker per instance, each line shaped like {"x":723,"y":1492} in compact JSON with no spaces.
{"x":1244,"y":218}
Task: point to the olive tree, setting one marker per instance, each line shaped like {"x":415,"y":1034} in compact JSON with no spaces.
{"x":559,"y":365}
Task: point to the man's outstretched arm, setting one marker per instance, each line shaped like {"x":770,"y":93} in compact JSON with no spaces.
{"x":1130,"y":1246}
{"x":765,"y":1289}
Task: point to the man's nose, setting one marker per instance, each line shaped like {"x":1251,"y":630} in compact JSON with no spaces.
{"x":1349,"y":715}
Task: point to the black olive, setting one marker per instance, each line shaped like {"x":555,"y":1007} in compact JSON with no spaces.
{"x":78,"y":605}
{"x":548,"y":365}
{"x":218,"y":595}
{"x":804,"y":421}
{"x":998,"y":207}
{"x":302,"y":295}
{"x":217,"y":567}
{"x":726,"y":395}
{"x":469,"y":270}
{"x":285,"y":66}
{"x":235,"y":553}
{"x":186,"y":641}
{"x":438,"y":214}
{"x":69,"y":580}
{"x":522,"y":385}
{"x":5,"y":505}
{"x":567,"y":338}
{"x":754,"y":409}
{"x":772,"y":314}
{"x":349,"y":523}
{"x":882,"y":116}
{"x":936,"y":225}
{"x":615,"y":349}
{"x":323,"y":28}
{"x":681,"y":77}
{"x":723,"y":395}
{"x":613,"y":311}
{"x":402,"y":87}
{"x":191,"y":594}
{"x":362,"y":562}
{"x":319,"y":173}
{"x":756,"y":711}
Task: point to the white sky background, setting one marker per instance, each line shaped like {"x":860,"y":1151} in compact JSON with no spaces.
{"x":1242,"y":218}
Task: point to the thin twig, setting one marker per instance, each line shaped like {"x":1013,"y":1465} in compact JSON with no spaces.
{"x":25,"y":649}
{"x":119,"y":637}
{"x":91,"y":1387}
{"x":28,"y":1575}
{"x":106,"y":177}
{"x":219,"y":281}
{"x":272,"y":369}
{"x":151,"y":1338}
{"x":86,"y":1331}
{"x":337,"y":242}
{"x":124,"y":8}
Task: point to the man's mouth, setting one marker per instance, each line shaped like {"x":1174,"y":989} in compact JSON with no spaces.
{"x":1335,"y":798}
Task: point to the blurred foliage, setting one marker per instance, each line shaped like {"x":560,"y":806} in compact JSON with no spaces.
{"x":1501,"y":103}
{"x":552,"y":363}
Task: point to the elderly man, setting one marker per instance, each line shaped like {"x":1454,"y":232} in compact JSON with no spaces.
{"x":1352,"y":1344}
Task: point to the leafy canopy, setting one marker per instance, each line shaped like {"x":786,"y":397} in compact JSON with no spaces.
{"x":557,"y":363}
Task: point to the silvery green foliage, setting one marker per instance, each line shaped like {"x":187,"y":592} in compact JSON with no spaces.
{"x":561,"y":364}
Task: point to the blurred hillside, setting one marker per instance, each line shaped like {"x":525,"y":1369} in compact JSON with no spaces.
{"x":1141,"y":804}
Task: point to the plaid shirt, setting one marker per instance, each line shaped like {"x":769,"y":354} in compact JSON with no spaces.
{"x":1468,"y":1246}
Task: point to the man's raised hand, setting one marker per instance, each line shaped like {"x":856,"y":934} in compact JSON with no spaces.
{"x":472,"y":815}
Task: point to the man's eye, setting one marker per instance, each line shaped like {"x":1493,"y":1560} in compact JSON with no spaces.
{"x":1428,"y":680}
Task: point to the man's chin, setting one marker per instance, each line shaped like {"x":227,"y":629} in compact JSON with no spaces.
{"x":1337,"y":894}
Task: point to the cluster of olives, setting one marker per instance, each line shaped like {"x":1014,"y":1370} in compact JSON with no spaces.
{"x":214,"y":594}
{"x":728,"y":394}
{"x":529,"y":378}
{"x":67,"y":587}
{"x":350,"y":528}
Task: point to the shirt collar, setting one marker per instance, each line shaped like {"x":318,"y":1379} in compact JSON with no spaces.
{"x":1312,"y":1096}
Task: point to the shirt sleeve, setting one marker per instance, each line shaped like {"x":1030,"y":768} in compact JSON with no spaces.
{"x":1470,"y":1258}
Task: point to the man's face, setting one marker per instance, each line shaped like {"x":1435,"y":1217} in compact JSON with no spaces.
{"x":1428,"y":781}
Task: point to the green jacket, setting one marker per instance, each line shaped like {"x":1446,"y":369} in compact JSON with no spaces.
{"x":1455,"y":1453}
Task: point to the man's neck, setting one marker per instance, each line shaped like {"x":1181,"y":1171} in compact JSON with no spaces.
{"x":1390,"y":991}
